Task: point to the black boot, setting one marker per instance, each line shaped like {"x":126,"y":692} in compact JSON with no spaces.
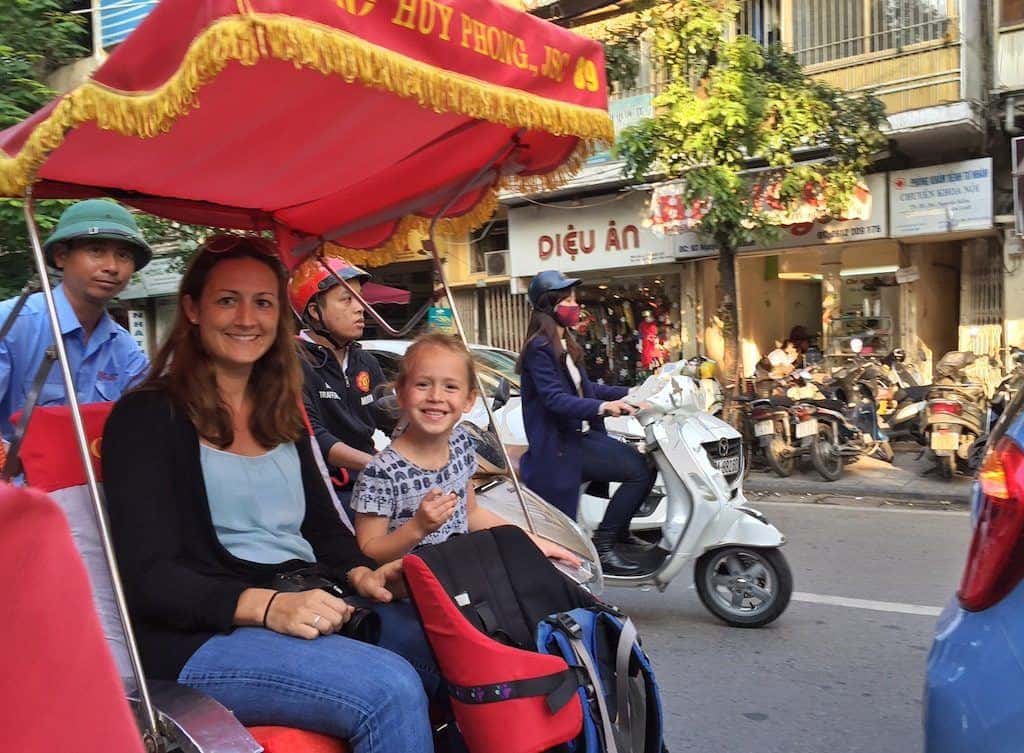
{"x":613,"y":560}
{"x":635,"y":543}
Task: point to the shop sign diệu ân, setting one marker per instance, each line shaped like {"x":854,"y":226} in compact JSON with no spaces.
{"x":941,"y":199}
{"x":602,"y":233}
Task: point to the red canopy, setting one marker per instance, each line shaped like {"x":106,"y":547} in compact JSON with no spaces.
{"x":344,"y":120}
{"x":374,"y":292}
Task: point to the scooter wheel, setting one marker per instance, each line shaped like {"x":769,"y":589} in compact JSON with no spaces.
{"x":744,"y":586}
{"x":826,"y":458}
{"x":947,"y":466}
{"x":777,"y":459}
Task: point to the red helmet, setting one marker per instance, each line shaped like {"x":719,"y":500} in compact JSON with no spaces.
{"x":310,"y":278}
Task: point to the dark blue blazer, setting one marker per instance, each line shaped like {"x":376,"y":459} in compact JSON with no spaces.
{"x":553,"y":413}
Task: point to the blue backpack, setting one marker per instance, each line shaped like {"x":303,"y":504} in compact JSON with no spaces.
{"x":603,"y":644}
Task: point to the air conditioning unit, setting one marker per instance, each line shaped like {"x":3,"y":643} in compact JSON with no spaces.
{"x":496,"y":263}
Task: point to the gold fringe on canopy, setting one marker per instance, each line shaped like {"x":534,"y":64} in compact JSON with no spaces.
{"x":252,"y":37}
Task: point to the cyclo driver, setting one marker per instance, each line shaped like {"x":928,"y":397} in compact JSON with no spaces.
{"x":339,"y":377}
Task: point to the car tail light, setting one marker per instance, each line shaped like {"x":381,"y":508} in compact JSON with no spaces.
{"x":953,"y":409}
{"x":995,"y":562}
{"x":760,"y":414}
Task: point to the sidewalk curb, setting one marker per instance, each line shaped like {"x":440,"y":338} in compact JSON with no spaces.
{"x":787,"y":488}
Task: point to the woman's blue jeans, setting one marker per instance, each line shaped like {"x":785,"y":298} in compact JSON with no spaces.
{"x":607,"y":459}
{"x":355,"y":691}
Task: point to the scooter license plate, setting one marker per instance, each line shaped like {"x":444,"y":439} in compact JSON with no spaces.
{"x":945,"y":440}
{"x":764,"y":428}
{"x":807,"y":428}
{"x":728,"y":465}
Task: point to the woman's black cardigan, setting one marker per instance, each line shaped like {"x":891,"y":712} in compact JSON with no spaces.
{"x":182,"y":585}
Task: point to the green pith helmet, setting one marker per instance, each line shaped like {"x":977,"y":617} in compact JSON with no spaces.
{"x":98,"y":218}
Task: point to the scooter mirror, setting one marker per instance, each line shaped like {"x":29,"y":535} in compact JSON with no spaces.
{"x":856,"y":345}
{"x":501,"y":394}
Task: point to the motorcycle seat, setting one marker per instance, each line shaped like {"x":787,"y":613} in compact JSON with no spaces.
{"x":781,"y":402}
{"x":827,"y":404}
{"x":913,"y":394}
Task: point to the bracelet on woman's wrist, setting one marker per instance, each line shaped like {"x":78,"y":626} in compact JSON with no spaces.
{"x":266,"y":612}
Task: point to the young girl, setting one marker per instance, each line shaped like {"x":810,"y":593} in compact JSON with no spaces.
{"x":418,"y":490}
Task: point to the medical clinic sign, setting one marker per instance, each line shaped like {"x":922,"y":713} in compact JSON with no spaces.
{"x":603,"y":232}
{"x":941,"y":199}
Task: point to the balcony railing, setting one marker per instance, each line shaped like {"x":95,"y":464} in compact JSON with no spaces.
{"x":831,"y":31}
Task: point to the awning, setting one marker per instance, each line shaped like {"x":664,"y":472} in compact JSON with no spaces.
{"x":376,"y":293}
{"x":350,"y":120}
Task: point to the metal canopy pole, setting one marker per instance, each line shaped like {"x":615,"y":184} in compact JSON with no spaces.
{"x":151,"y":733}
{"x":431,"y":245}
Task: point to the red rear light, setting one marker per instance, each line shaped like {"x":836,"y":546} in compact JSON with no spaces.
{"x":761,"y":414}
{"x":804,"y":412}
{"x":995,"y":563}
{"x":953,"y":409}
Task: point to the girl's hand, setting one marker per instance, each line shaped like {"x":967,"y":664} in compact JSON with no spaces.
{"x":434,"y":510}
{"x":553,"y":551}
{"x":382,"y":584}
{"x":307,"y":614}
{"x":617,"y":408}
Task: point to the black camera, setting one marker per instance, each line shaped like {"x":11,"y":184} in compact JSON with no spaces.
{"x":363,"y":625}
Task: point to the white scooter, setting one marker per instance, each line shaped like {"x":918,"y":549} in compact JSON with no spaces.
{"x":698,"y":511}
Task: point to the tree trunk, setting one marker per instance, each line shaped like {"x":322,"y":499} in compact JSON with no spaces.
{"x":728,"y":315}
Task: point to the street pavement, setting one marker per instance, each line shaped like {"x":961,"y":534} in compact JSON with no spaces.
{"x":909,"y":477}
{"x":842,"y":670}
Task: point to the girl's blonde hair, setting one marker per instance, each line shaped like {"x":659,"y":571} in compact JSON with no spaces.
{"x":436,"y":340}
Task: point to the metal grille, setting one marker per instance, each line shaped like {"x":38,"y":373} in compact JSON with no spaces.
{"x":762,"y":20}
{"x":506,"y":317}
{"x":826,"y":30}
{"x":981,"y":305}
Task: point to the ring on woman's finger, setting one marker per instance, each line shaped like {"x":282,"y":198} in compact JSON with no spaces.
{"x":316,"y":620}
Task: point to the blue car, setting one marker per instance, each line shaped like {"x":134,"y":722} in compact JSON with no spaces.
{"x":974,"y":691}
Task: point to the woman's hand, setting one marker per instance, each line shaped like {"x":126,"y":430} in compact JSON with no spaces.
{"x":307,"y":614}
{"x":383,"y":584}
{"x":434,"y":510}
{"x":617,"y":408}
{"x":553,"y":551}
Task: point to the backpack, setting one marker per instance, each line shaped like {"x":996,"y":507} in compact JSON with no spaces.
{"x":522,"y":649}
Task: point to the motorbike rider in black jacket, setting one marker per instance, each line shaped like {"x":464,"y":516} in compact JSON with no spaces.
{"x":340,"y":378}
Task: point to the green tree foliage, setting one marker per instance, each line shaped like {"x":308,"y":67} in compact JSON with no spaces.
{"x":36,"y":38}
{"x":730,"y":105}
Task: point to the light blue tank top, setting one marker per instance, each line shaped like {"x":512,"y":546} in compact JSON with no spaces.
{"x":257,"y":503}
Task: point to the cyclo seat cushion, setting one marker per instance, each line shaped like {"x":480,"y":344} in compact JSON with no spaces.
{"x":61,"y":691}
{"x":288,"y":740}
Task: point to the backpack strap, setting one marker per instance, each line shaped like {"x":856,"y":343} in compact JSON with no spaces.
{"x":574,"y":632}
{"x":558,"y":689}
{"x":623,"y":652}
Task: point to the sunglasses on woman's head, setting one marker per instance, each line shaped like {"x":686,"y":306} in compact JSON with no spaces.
{"x":222,"y":243}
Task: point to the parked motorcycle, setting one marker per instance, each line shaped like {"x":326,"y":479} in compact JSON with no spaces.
{"x":957,"y":414}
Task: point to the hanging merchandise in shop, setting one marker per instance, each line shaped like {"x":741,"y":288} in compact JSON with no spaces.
{"x":628,"y":328}
{"x":602,"y":232}
{"x":941,"y":199}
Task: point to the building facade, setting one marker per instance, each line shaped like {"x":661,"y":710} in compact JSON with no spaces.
{"x":927,"y":266}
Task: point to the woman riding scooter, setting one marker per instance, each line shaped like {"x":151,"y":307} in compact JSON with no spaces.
{"x":563,"y":413}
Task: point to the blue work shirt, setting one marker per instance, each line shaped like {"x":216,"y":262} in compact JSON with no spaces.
{"x":103,"y":367}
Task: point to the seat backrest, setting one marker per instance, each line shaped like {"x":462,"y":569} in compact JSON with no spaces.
{"x":50,"y":458}
{"x":59,"y":690}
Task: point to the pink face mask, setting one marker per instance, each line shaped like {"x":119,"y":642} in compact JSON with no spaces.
{"x":567,"y":314}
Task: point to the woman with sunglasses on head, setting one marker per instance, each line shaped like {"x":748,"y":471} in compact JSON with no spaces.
{"x":563,"y":412}
{"x":214,"y":492}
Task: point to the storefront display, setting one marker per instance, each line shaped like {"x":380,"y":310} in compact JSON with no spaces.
{"x":629,"y":328}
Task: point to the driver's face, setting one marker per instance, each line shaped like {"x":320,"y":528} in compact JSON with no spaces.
{"x":342,"y":313}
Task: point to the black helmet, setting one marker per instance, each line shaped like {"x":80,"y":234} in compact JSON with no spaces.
{"x":546,"y":281}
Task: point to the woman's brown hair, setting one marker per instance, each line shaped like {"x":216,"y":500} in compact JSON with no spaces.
{"x":543,"y":324}
{"x":184,"y":369}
